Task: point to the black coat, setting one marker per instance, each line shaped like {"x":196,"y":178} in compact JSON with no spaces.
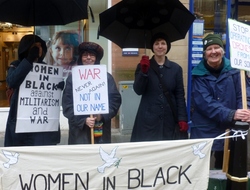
{"x":79,"y":132}
{"x":154,"y":119}
{"x":15,"y":77}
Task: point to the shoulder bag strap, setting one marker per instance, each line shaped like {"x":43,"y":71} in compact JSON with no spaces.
{"x":165,"y":91}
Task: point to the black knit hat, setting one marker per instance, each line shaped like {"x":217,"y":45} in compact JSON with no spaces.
{"x":163,"y":36}
{"x":90,"y":47}
{"x":212,"y":39}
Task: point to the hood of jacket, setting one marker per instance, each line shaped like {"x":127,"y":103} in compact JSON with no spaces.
{"x":26,"y":42}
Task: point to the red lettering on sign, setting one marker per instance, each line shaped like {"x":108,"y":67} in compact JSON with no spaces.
{"x":89,"y":73}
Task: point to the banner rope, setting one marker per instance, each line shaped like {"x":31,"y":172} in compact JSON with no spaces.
{"x":236,"y":133}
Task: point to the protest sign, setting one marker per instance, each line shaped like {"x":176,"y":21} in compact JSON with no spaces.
{"x":239,"y":38}
{"x":161,"y":165}
{"x":90,"y":89}
{"x":39,"y":100}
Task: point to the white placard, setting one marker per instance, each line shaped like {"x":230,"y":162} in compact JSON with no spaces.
{"x":239,"y":37}
{"x":90,"y":89}
{"x":39,"y":100}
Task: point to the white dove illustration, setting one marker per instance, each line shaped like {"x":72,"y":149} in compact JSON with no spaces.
{"x":197,"y":149}
{"x":13,"y":158}
{"x":109,"y":159}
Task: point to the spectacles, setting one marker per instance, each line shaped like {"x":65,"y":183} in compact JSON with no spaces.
{"x":86,"y":54}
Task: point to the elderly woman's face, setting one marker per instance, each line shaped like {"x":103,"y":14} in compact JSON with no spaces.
{"x":213,"y":54}
{"x":88,"y":58}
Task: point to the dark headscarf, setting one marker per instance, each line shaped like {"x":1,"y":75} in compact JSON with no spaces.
{"x":163,"y":36}
{"x":25,"y":44}
{"x":92,"y":48}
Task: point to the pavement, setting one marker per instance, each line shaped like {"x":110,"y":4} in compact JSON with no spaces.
{"x":117,"y":137}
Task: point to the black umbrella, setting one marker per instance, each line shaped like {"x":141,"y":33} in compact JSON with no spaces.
{"x":43,"y":12}
{"x":131,"y":23}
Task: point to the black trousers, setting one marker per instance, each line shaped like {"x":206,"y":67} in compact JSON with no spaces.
{"x":218,"y":155}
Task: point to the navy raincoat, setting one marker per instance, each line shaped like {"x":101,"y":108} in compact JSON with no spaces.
{"x":214,"y":102}
{"x":154,"y":120}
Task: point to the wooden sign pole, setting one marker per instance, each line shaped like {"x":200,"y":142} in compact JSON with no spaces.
{"x":243,"y":89}
{"x":92,"y":133}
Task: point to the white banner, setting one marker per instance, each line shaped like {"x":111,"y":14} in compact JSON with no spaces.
{"x":239,"y":38}
{"x":161,"y":165}
{"x":39,"y":100}
{"x":90,"y":89}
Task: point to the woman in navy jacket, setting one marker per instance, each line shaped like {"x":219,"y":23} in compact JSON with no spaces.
{"x":216,"y":96}
{"x":154,"y":119}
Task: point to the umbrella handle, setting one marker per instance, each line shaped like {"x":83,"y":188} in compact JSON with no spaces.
{"x":92,"y":133}
{"x":145,"y":37}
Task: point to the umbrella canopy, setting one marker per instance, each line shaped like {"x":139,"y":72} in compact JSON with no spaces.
{"x":43,"y":12}
{"x":132,"y":23}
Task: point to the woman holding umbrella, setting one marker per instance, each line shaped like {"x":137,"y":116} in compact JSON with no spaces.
{"x":80,"y":126}
{"x":155,"y":119}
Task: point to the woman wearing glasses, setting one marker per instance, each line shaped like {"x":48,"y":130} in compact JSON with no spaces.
{"x":90,"y":53}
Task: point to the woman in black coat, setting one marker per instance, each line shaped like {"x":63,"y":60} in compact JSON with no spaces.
{"x":80,"y":126}
{"x":154,"y":120}
{"x":31,"y":49}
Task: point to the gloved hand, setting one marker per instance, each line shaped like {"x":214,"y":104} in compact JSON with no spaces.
{"x":98,"y":117}
{"x":144,"y":64}
{"x":33,"y":54}
{"x":60,"y":85}
{"x":183,"y":126}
